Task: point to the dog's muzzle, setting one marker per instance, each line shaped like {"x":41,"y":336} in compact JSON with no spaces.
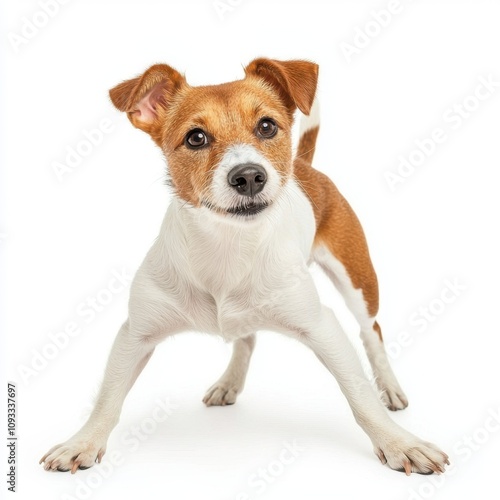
{"x":248,"y":179}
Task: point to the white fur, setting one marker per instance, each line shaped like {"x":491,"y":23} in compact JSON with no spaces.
{"x":311,"y":120}
{"x":227,"y":270}
{"x":233,"y":276}
{"x":224,"y":194}
{"x":338,"y":274}
{"x":391,"y":392}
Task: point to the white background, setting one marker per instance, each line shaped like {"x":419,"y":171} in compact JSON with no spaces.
{"x":61,"y":241}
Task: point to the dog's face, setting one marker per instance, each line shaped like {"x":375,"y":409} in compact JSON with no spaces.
{"x":228,"y":146}
{"x":231,"y":151}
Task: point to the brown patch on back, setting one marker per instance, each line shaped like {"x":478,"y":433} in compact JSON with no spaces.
{"x":338,"y":228}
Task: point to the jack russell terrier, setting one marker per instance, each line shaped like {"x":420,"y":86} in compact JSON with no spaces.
{"x":246,"y":218}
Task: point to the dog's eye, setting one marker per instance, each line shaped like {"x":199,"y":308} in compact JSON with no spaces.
{"x":196,"y":139}
{"x":267,"y":128}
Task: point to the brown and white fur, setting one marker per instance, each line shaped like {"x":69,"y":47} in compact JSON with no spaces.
{"x":232,"y":255}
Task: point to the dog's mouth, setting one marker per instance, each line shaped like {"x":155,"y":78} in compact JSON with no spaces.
{"x":245,"y":210}
{"x":248,"y":209}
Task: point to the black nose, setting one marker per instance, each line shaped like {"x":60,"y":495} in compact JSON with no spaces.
{"x":248,"y":179}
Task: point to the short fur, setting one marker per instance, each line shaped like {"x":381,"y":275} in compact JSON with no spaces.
{"x":233,"y":264}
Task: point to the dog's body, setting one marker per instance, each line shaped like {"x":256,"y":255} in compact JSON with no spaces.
{"x":232,"y":256}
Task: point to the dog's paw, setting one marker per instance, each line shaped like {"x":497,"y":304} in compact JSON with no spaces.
{"x":221,"y":394}
{"x":391,"y":393}
{"x":76,"y":453}
{"x":392,"y":396}
{"x":409,"y":454}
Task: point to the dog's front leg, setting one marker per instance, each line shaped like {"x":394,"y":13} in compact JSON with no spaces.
{"x":129,"y":355}
{"x":393,"y":445}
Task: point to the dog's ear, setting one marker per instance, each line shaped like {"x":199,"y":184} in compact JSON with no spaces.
{"x":295,"y":81}
{"x":144,"y":97}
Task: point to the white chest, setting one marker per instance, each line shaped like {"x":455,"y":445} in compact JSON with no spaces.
{"x":239,"y":275}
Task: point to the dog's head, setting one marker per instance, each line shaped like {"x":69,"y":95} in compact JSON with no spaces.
{"x":228,"y":146}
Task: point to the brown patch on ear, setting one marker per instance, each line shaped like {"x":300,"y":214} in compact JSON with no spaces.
{"x":121,"y":93}
{"x":295,"y":81}
{"x":144,"y":97}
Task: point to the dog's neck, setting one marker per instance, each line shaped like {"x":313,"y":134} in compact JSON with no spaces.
{"x":222,"y":251}
{"x":217,"y":253}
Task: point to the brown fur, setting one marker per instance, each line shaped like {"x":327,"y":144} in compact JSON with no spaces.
{"x":294,"y":81}
{"x":338,"y":228}
{"x":307,"y":145}
{"x":161,"y":103}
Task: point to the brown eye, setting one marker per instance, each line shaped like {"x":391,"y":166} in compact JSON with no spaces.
{"x":267,"y":128}
{"x":196,"y":139}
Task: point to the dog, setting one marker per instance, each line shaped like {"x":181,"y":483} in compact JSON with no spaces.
{"x":246,"y":219}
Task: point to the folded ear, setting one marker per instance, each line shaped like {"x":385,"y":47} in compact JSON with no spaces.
{"x":295,"y":81}
{"x":143,"y":98}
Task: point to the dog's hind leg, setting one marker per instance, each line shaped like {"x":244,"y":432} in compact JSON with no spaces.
{"x":401,"y":450}
{"x":231,"y":383}
{"x":342,"y":252}
{"x":363,"y":303}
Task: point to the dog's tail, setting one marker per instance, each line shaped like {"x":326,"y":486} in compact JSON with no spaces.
{"x":309,"y":128}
